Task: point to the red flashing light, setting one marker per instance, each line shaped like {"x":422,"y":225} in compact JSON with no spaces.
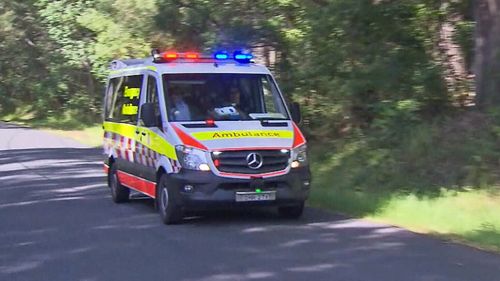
{"x":216,"y":162}
{"x":210,"y":122}
{"x":192,"y":55}
{"x":170,"y":56}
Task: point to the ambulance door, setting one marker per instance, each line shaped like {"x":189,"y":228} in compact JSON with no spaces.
{"x":122,"y":123}
{"x":149,"y":137}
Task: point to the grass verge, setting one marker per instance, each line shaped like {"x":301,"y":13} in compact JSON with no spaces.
{"x":66,"y":125}
{"x":437,"y":178}
{"x":91,"y":136}
{"x":471,"y":217}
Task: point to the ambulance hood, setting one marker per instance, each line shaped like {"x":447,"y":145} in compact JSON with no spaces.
{"x":235,"y":135}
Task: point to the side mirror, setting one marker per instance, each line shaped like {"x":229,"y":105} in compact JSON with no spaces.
{"x":148,"y":115}
{"x":295,"y":111}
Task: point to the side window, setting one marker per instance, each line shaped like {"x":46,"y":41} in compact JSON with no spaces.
{"x":111,"y":95}
{"x":269,"y":98}
{"x":122,"y":106}
{"x":109,"y":98}
{"x":152,"y":97}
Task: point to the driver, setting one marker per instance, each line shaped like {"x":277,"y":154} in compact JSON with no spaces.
{"x":179,"y":110}
{"x":234,"y":97}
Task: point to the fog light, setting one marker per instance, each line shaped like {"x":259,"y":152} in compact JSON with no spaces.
{"x":295,"y":164}
{"x":188,"y":188}
{"x":204,"y":167}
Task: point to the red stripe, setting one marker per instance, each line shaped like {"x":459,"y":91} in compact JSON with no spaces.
{"x":278,"y":173}
{"x":298,"y":137}
{"x":188,"y":140}
{"x":139,"y":184}
{"x":249,"y":148}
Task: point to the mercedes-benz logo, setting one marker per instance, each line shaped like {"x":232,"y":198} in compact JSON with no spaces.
{"x":254,"y":160}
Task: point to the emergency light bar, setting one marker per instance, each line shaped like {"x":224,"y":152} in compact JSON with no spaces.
{"x":238,"y":56}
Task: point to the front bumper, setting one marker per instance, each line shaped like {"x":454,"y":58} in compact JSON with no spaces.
{"x":210,"y":190}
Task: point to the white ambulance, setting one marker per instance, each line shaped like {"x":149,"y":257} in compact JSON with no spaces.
{"x":199,"y":131}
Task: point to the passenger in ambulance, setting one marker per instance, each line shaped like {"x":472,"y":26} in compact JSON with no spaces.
{"x":236,"y":102}
{"x":179,"y":110}
{"x":234,"y":97}
{"x":226,"y":106}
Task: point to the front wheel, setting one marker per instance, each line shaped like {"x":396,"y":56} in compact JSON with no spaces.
{"x":119,"y":193}
{"x":170,"y":211}
{"x":292,"y":212}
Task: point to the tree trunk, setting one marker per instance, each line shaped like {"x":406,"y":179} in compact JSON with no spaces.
{"x":453,"y":61}
{"x":487,"y":53}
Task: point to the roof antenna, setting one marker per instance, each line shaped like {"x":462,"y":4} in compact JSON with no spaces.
{"x":117,"y":64}
{"x":156,"y":54}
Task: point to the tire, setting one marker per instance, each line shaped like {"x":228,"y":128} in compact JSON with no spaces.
{"x":292,"y":212}
{"x":119,"y":193}
{"x":170,"y":212}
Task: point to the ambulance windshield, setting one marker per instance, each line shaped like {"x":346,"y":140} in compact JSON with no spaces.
{"x":204,"y":96}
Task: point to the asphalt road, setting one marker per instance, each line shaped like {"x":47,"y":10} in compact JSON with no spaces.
{"x":57,"y":222}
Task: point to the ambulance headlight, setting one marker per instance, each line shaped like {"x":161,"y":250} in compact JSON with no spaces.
{"x":192,"y":158}
{"x":299,"y":156}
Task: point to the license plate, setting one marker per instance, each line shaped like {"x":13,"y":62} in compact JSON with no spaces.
{"x":254,"y":196}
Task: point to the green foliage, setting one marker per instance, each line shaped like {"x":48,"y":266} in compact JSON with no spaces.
{"x":368,"y":74}
{"x":367,"y":57}
{"x":453,"y":153}
{"x":348,"y":62}
{"x":439,"y":177}
{"x":365,"y":71}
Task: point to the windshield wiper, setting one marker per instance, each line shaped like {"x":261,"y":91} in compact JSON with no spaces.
{"x":269,"y":118}
{"x":265,"y":122}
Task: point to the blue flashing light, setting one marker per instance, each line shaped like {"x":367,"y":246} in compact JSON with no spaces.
{"x":242,"y":57}
{"x":221,"y":56}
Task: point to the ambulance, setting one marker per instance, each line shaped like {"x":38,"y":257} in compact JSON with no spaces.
{"x":195,"y":131}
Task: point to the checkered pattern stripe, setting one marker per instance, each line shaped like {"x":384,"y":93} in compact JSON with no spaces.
{"x":176,"y":165}
{"x":145,"y":155}
{"x":122,"y":147}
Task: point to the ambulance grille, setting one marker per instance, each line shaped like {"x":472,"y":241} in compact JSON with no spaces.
{"x":236,"y":161}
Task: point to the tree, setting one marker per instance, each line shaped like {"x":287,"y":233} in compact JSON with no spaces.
{"x":27,"y":75}
{"x":487,"y":52}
